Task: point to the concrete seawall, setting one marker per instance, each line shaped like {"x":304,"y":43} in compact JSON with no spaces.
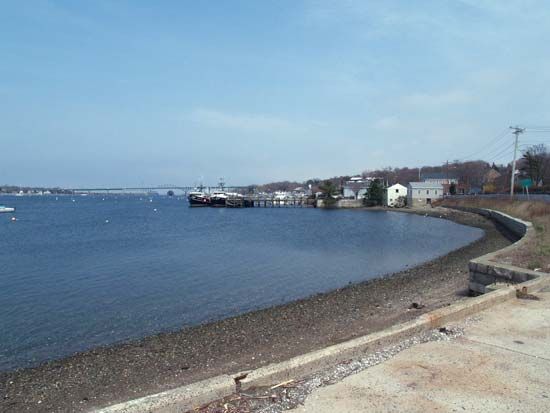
{"x":342,"y":203}
{"x":486,"y":273}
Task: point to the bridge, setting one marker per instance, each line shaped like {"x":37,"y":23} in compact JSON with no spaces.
{"x":154,"y":188}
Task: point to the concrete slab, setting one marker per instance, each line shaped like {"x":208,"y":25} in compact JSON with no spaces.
{"x":519,"y":325}
{"x":500,"y":365}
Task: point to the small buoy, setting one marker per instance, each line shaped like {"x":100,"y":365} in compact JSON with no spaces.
{"x":150,"y":200}
{"x":13,"y":219}
{"x":106,"y":221}
{"x":155,"y":210}
{"x":74,"y":200}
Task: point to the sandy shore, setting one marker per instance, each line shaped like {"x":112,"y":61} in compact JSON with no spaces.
{"x":117,"y":373}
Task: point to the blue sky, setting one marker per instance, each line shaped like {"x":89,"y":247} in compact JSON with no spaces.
{"x":165,"y":92}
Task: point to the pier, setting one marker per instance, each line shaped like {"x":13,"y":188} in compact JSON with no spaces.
{"x":243,"y":201}
{"x":267,"y":202}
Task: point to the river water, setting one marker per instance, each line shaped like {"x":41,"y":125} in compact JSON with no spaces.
{"x":86,"y":271}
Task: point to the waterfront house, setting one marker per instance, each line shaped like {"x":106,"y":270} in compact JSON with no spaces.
{"x":393,"y":194}
{"x":356,"y":188}
{"x":442,"y":178}
{"x":439,"y":178}
{"x":300,"y":192}
{"x":423,"y":193}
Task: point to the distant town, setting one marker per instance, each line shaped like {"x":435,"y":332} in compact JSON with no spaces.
{"x":388,"y":186}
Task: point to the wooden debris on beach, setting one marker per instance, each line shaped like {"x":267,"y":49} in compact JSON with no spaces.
{"x":284,"y":383}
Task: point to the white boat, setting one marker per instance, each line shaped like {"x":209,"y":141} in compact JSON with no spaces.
{"x":281,"y":195}
{"x":218,"y":198}
{"x":6,"y":209}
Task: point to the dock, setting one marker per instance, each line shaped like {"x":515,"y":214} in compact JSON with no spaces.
{"x":267,"y":202}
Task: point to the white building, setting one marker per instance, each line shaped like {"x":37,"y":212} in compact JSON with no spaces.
{"x":301,"y":192}
{"x":443,"y":179}
{"x":440,"y":178}
{"x":280,"y":195}
{"x":423,"y":193}
{"x":393,"y":193}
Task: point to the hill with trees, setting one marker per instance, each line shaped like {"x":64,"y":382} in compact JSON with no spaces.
{"x":534,"y":163}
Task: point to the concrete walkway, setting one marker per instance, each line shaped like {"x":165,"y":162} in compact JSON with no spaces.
{"x":501,"y":364}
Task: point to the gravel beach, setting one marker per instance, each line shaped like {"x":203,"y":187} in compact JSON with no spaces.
{"x":121,"y":372}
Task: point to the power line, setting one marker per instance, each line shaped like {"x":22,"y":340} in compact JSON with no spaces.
{"x":484,"y":148}
{"x":529,"y":127}
{"x":500,"y":153}
{"x":493,"y":150}
{"x":535,"y":140}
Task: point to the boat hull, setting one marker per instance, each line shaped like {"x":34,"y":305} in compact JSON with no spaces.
{"x":199,"y":201}
{"x":218,"y":202}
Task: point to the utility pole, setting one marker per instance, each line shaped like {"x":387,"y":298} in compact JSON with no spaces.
{"x":516,"y":131}
{"x":447,"y":177}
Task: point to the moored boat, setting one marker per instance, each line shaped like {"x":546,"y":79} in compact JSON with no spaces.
{"x":218,"y":198}
{"x":199,"y":199}
{"x":6,"y":209}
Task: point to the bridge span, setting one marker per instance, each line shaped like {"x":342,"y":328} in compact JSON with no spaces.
{"x":157,"y":188}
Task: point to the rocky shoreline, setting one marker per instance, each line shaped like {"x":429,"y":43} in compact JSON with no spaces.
{"x":120,"y":372}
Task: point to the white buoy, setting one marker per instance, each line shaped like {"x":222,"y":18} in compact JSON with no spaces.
{"x":155,"y":209}
{"x":106,"y":221}
{"x":13,"y":219}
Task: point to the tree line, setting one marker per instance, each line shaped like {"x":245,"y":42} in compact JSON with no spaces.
{"x":534,"y":163}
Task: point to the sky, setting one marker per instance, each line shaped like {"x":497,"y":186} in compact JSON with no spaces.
{"x":111,"y":93}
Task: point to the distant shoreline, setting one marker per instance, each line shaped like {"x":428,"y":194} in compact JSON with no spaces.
{"x":115,"y":373}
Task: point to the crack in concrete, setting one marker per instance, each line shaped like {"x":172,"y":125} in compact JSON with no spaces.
{"x":505,"y":348}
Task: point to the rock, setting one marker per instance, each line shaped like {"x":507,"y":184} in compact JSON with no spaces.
{"x":416,"y":306}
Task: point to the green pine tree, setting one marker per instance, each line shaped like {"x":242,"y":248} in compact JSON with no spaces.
{"x":376,"y":192}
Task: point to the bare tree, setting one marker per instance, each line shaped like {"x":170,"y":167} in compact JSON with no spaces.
{"x":536,"y":163}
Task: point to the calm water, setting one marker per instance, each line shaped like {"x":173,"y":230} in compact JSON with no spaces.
{"x":70,"y":281}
